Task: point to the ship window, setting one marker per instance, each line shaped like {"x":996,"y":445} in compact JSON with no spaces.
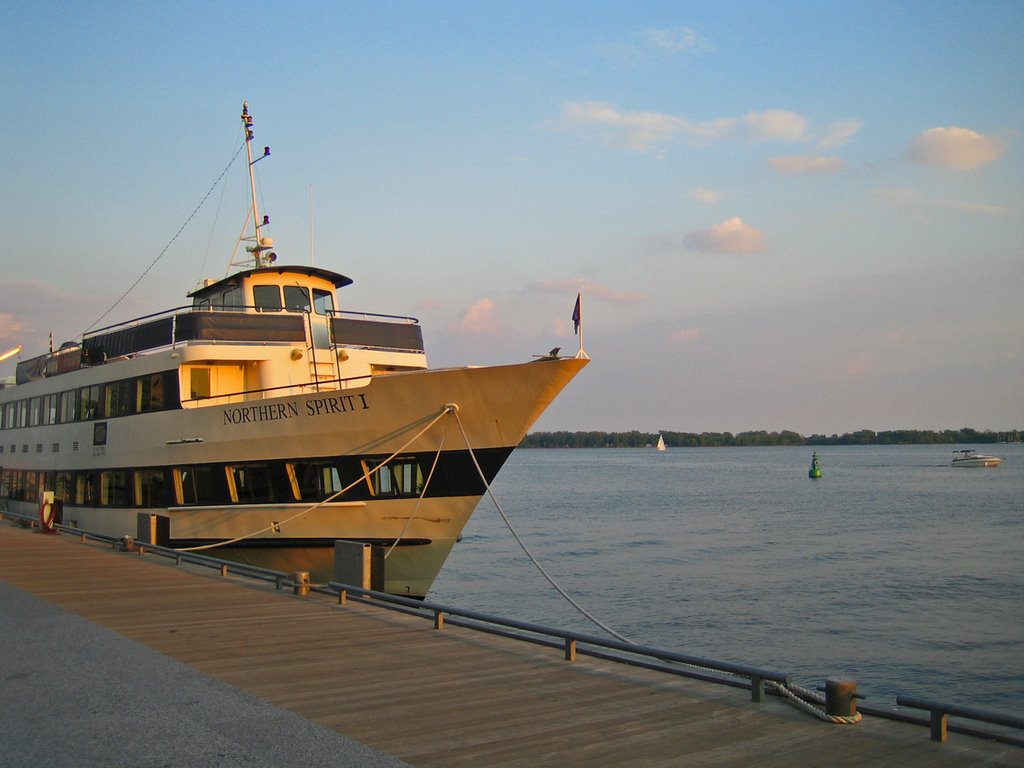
{"x":296,"y":298}
{"x":23,"y":413}
{"x":85,"y":488}
{"x":114,"y":488}
{"x":250,"y":483}
{"x":68,"y":407}
{"x":50,"y":409}
{"x":199,"y":382}
{"x":119,"y":398}
{"x":198,"y":485}
{"x":323,"y":302}
{"x":62,"y":490}
{"x":313,"y":481}
{"x":89,"y":402}
{"x":232,"y":298}
{"x":150,"y":395}
{"x":35,"y":407}
{"x":267,"y":298}
{"x":149,"y":487}
{"x":9,"y":415}
{"x":401,"y":477}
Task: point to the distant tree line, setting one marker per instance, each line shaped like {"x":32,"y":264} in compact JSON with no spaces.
{"x":638,"y":439}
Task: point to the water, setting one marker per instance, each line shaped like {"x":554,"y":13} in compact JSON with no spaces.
{"x":895,"y":569}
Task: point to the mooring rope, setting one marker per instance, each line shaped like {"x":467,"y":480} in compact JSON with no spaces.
{"x":526,"y":549}
{"x":364,"y":477}
{"x":423,"y":492}
{"x":799,"y":696}
{"x":792,"y":692}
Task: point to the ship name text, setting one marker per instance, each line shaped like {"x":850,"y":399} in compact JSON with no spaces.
{"x":317,"y":406}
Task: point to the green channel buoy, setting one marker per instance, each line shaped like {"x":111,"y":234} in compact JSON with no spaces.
{"x":815,"y":471}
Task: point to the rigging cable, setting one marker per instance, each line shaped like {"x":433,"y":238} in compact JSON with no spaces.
{"x":169,"y":243}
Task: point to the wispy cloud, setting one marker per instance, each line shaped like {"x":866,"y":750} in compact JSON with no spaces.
{"x":958,"y":148}
{"x":704,"y":195}
{"x":479,"y":319}
{"x":908,"y":198}
{"x":675,"y":40}
{"x":839,"y":134}
{"x":775,"y":125}
{"x":650,"y":132}
{"x":797,"y":165}
{"x":731,"y":236}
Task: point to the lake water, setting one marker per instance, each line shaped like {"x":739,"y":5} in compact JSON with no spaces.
{"x":894,"y":569}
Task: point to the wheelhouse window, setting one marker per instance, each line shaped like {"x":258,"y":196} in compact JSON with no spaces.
{"x":266,"y":298}
{"x":402,"y":477}
{"x":323,"y":302}
{"x":296,"y":298}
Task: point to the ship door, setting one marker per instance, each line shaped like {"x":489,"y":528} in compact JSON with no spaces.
{"x":323,"y":311}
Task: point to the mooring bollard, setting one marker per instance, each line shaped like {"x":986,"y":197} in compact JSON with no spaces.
{"x":300,"y":581}
{"x":841,"y":698}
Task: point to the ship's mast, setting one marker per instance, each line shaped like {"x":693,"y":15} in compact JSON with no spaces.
{"x":260,"y":248}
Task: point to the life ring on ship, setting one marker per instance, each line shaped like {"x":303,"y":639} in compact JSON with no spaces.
{"x":48,"y":511}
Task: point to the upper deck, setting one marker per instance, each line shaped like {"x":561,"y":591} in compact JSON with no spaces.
{"x":290,"y":306}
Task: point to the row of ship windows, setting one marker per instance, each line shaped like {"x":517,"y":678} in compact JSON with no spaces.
{"x":203,"y":485}
{"x":142,"y":394}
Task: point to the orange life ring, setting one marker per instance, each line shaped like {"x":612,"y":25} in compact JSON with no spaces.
{"x":47,"y":515}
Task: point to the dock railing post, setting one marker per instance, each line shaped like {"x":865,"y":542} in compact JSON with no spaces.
{"x":756,"y":688}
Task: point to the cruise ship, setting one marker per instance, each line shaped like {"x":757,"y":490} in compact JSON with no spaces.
{"x":261,"y":422}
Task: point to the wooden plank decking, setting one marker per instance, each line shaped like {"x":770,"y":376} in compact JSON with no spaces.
{"x":453,"y":697}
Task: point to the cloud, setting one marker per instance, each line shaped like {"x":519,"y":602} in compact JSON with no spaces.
{"x":12,"y":331}
{"x":639,"y":131}
{"x":731,"y":236}
{"x":794,"y":165}
{"x":704,"y":195}
{"x":840,"y":133}
{"x":775,"y":125}
{"x":907,"y":198}
{"x":588,"y":289}
{"x":959,"y":148}
{"x":675,"y":39}
{"x":478,"y":320}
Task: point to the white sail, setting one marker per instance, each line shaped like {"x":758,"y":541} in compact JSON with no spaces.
{"x":661,"y":443}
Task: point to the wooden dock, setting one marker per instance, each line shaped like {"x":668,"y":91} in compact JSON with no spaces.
{"x":451,"y":697}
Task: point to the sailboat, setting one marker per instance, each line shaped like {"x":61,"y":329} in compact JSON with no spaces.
{"x":661,"y":443}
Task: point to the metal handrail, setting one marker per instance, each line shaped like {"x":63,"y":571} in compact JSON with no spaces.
{"x":939,"y":710}
{"x":639,"y":655}
{"x":568,"y":638}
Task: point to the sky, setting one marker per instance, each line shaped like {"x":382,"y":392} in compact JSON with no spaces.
{"x":790,"y":215}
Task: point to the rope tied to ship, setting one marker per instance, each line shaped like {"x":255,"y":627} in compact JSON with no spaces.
{"x":798,"y":695}
{"x":431,"y":421}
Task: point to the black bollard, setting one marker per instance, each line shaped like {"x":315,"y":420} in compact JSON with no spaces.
{"x":841,"y":698}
